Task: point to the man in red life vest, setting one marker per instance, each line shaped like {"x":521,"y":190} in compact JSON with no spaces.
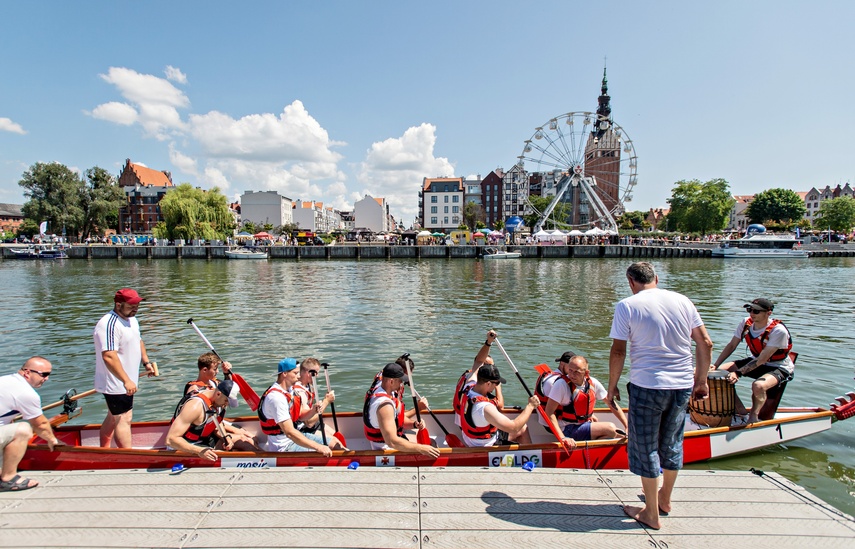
{"x":309,"y":421}
{"x":209,"y":364}
{"x":279,"y":412}
{"x":195,"y":427}
{"x":769,"y":343}
{"x":469,"y":378}
{"x":568,"y":396}
{"x":481,"y":421}
{"x":383,"y":415}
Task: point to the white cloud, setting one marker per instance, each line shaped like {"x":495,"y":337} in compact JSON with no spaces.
{"x":395,"y":168}
{"x":174,"y":74}
{"x":182,"y":161}
{"x":118,"y":113}
{"x":6,"y":125}
{"x":154,"y":100}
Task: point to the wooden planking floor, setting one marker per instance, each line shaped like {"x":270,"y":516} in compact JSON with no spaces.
{"x":411,"y":508}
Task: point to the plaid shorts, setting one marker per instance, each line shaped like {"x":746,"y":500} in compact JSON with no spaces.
{"x":657,"y":418}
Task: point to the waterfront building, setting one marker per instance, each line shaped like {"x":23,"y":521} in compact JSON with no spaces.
{"x":515,"y":191}
{"x":658,"y":219}
{"x":492,"y":196}
{"x":373,"y":213}
{"x":814,"y":198}
{"x":313,"y":216}
{"x":144,"y":189}
{"x":11,"y":217}
{"x":348,"y":222}
{"x":441,"y":203}
{"x":738,"y":221}
{"x":263,"y":207}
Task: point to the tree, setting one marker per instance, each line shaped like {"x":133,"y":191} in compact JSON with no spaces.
{"x":54,"y":193}
{"x":633,"y":220}
{"x":499,"y":224}
{"x":472,"y":213}
{"x":776,"y":205}
{"x":286,"y":229}
{"x":191,"y":213}
{"x":100,"y":202}
{"x":700,"y":207}
{"x":837,"y":214}
{"x":249,"y":227}
{"x":562,"y":210}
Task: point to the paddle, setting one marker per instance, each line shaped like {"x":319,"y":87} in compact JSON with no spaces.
{"x":337,"y":433}
{"x":452,"y":441}
{"x":539,"y":408}
{"x":422,"y":436}
{"x":320,"y":415}
{"x":62,"y":401}
{"x":250,"y":396}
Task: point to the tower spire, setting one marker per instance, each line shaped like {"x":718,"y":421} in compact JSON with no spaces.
{"x":604,"y":109}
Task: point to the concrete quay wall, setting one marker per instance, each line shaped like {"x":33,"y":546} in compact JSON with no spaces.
{"x":350,"y":252}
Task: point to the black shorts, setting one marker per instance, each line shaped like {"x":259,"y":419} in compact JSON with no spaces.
{"x":760,"y":371}
{"x":119,"y":404}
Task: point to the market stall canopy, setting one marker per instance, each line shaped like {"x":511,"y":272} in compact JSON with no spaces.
{"x":596,"y":231}
{"x":262,"y":235}
{"x":438,"y":234}
{"x":576,"y":232}
{"x":479,"y":234}
{"x":424,"y":234}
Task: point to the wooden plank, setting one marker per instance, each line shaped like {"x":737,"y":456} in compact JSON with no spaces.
{"x":92,"y":538}
{"x":300,"y":536}
{"x":339,"y":518}
{"x":242,"y":504}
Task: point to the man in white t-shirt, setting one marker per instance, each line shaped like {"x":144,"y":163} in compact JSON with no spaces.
{"x":769,"y":343}
{"x":660,"y":327}
{"x":118,"y":351}
{"x":18,"y":396}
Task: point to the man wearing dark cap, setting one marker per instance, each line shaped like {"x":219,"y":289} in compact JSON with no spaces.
{"x":119,"y":349}
{"x":469,"y":377}
{"x":769,"y":343}
{"x":568,"y":396}
{"x":480,"y":419}
{"x":198,"y":426}
{"x":383,"y":416}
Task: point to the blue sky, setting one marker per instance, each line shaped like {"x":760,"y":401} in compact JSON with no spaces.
{"x":332,"y":100}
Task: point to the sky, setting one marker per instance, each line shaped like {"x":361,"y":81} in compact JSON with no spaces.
{"x":333,"y":100}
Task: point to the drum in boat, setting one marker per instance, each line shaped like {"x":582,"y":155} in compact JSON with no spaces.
{"x":717,"y":410}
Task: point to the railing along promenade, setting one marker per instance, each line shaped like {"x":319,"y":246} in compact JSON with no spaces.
{"x":384,"y":251}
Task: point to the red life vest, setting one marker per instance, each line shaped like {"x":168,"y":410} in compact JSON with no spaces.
{"x":374,"y":434}
{"x":756,"y":344}
{"x":459,"y":397}
{"x":197,"y":386}
{"x":467,"y":423}
{"x":205,"y":431}
{"x":582,"y":399}
{"x":310,"y":395}
{"x":269,"y":425}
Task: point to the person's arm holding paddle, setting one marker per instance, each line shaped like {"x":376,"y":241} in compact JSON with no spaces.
{"x":550,"y":409}
{"x":386,"y":419}
{"x":503,"y":422}
{"x":300,"y":439}
{"x":192,"y":413}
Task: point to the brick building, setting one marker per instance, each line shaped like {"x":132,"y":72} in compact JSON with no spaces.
{"x":144,"y":188}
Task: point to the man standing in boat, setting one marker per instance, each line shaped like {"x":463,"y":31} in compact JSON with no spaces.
{"x":481,"y":421}
{"x":279,"y":412}
{"x":119,"y":348}
{"x":198,"y":426}
{"x":469,"y":378}
{"x":18,"y":396}
{"x":660,"y":326}
{"x":383,"y":416}
{"x":769,"y":343}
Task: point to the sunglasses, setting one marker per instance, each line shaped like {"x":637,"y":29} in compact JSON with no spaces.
{"x":755,"y":311}
{"x":43,"y":374}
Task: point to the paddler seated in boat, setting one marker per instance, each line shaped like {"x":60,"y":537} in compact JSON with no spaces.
{"x":279,"y":412}
{"x":198,"y":427}
{"x":469,"y":377}
{"x":403,"y":361}
{"x":209,"y":364}
{"x":568,"y":396}
{"x":481,"y":421}
{"x":384,"y":418}
{"x":769,"y":343}
{"x":309,"y":421}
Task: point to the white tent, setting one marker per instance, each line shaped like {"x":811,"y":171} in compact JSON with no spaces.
{"x":576,"y":232}
{"x":596,"y":231}
{"x":423,"y":234}
{"x":542,"y":235}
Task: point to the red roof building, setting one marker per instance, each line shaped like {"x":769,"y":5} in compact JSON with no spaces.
{"x":144,"y":188}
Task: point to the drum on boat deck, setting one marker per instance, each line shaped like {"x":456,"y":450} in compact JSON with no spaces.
{"x":717,"y":410}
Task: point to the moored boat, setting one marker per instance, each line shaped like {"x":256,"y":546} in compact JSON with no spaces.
{"x":39,"y":251}
{"x":757,"y":243}
{"x":149,"y":450}
{"x":246,"y":253}
{"x":496,"y":253}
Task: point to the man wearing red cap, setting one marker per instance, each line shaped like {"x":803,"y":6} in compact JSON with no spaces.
{"x":118,"y":351}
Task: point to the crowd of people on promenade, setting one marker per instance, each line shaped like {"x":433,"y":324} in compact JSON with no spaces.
{"x":656,"y":327}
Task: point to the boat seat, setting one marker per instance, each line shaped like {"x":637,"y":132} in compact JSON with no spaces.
{"x":773,"y":396}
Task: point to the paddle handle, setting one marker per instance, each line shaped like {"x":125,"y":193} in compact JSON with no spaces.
{"x":332,"y":404}
{"x":413,"y":389}
{"x":441,"y":426}
{"x":317,"y":401}
{"x":61,"y":402}
{"x":205,"y":339}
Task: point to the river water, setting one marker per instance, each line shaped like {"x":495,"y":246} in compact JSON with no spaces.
{"x":359,"y":315}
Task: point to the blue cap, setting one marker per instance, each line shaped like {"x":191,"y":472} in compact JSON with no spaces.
{"x":528,"y":466}
{"x":353,"y":465}
{"x":287,"y":364}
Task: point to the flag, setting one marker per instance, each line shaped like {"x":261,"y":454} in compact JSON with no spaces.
{"x":43,"y":227}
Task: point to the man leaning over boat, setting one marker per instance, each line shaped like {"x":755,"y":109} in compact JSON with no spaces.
{"x":198,"y":427}
{"x":769,"y":344}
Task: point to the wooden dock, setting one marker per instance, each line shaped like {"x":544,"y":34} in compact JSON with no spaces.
{"x":411,"y":508}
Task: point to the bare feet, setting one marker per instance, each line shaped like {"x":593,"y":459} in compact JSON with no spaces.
{"x":664,"y":505}
{"x":642,"y":518}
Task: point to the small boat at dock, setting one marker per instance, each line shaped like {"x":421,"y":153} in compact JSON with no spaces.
{"x":39,"y":251}
{"x":246,"y":253}
{"x":757,"y":243}
{"x":496,"y":253}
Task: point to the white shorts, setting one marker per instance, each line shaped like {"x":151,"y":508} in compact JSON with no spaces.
{"x":7,"y":434}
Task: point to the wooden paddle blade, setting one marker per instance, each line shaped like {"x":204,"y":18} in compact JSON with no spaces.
{"x":248,"y":394}
{"x":543,"y":369}
{"x":340,"y":438}
{"x":453,"y":442}
{"x":423,"y":436}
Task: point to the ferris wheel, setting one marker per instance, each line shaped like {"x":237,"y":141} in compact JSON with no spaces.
{"x":584,"y":160}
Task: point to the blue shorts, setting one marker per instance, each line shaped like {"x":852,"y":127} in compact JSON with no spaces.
{"x":578,"y":431}
{"x":657,"y":418}
{"x":294,"y":447}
